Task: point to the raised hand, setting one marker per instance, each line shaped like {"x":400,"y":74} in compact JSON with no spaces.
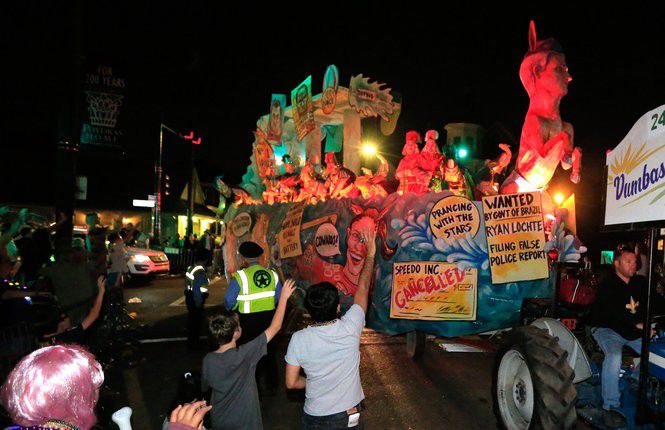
{"x":190,"y":414}
{"x":287,"y":289}
{"x":368,"y":237}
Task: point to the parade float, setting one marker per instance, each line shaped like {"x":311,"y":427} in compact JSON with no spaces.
{"x":461,"y":248}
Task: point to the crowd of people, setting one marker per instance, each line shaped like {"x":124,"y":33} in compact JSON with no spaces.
{"x":58,"y":386}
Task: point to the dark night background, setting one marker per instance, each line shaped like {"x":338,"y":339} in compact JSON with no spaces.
{"x":212,"y":68}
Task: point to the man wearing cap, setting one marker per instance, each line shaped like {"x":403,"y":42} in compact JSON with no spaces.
{"x":196,"y":292}
{"x":254,"y":292}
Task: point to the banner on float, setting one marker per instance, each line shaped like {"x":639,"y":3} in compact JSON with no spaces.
{"x":515,"y":237}
{"x":636,"y":173}
{"x":276,"y":118}
{"x":301,"y":108}
{"x":435,"y":291}
{"x":289,"y":236}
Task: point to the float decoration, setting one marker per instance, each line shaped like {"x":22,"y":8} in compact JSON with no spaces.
{"x":546,"y":140}
{"x":369,"y":99}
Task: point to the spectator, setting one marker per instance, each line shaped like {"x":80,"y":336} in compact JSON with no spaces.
{"x":329,"y":352}
{"x":117,"y":261}
{"x":229,"y":371}
{"x":54,"y":387}
{"x":66,"y":333}
{"x":73,"y":282}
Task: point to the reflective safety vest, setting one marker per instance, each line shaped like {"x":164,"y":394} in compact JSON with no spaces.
{"x":190,"y":274}
{"x":257,"y":289}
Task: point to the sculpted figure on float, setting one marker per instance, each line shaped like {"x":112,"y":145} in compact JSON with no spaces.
{"x":412,"y":178}
{"x":431,"y":160}
{"x":373,"y":184}
{"x":340,"y":181}
{"x":546,"y":140}
{"x":313,"y":187}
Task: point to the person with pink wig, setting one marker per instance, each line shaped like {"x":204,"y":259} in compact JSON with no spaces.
{"x":57,"y":387}
{"x":54,"y":387}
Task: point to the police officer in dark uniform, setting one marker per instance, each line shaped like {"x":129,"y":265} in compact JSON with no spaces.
{"x":253,"y":292}
{"x":196,"y":292}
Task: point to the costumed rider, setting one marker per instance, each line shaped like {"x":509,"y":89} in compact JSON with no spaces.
{"x":254,"y":292}
{"x":196,"y":293}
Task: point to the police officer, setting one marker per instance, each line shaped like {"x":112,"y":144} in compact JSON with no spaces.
{"x":253,"y":292}
{"x":196,"y":292}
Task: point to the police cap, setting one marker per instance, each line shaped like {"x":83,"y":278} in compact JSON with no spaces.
{"x":250,"y":249}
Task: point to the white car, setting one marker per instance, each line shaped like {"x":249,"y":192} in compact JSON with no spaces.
{"x":147,"y":262}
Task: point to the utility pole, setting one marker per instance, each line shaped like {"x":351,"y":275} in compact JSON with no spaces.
{"x":190,"y":188}
{"x":69,"y":137}
{"x":159,"y":174}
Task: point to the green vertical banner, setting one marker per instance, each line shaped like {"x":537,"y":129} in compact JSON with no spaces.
{"x":334,"y":138}
{"x":301,"y":105}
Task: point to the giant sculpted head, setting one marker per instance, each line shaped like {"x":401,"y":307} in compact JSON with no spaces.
{"x":544,"y":69}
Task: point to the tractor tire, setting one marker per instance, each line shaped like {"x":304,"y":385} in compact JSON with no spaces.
{"x":415,"y":343}
{"x":533,"y":383}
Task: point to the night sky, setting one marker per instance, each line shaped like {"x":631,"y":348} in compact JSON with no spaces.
{"x":212,"y":69}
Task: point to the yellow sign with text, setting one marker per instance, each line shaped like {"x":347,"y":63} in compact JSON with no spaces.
{"x":515,"y":237}
{"x":431,"y":290}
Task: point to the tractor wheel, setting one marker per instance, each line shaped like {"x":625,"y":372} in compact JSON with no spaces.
{"x":415,"y":343}
{"x":533,"y":383}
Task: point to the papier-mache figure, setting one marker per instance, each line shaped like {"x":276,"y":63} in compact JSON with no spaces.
{"x":456,"y":180}
{"x":313,"y":187}
{"x":487,"y":185}
{"x":340,"y":181}
{"x":412,"y":178}
{"x":373,"y":184}
{"x":546,"y":140}
{"x":431,"y":159}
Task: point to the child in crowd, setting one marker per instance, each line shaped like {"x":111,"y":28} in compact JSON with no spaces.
{"x":229,"y":371}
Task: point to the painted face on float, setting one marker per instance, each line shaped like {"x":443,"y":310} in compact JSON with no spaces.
{"x":356,"y":250}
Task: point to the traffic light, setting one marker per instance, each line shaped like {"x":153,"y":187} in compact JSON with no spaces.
{"x":167,"y":185}
{"x":462,"y":153}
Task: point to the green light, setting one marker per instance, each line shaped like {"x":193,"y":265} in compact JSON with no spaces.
{"x":462,"y":153}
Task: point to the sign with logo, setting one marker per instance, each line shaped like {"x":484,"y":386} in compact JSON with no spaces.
{"x":289,"y":236}
{"x":454,"y":217}
{"x":242,"y":223}
{"x":104,"y":97}
{"x":276,"y":118}
{"x":326,"y":240}
{"x":431,"y":290}
{"x":301,"y":107}
{"x":515,"y":237}
{"x":330,"y":85}
{"x":636,"y":173}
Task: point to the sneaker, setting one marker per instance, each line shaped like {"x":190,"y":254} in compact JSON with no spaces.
{"x":614,"y":419}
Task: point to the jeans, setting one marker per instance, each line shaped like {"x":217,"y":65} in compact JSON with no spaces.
{"x":612,"y":343}
{"x":339,"y":421}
